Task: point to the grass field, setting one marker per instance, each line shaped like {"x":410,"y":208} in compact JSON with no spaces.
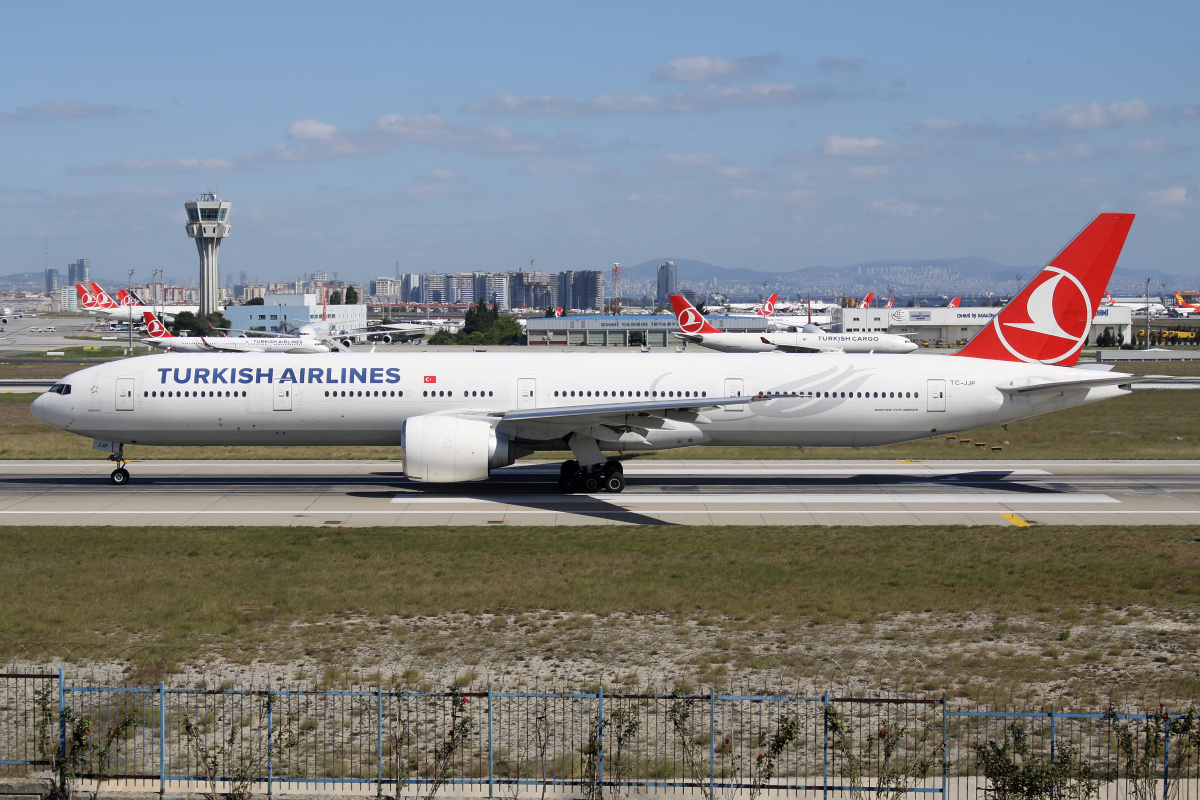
{"x":1045,"y":604}
{"x":1146,"y":424}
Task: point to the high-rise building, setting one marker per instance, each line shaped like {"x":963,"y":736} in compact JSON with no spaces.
{"x":53,"y":281}
{"x":410,"y":288}
{"x":666,"y":283}
{"x":497,"y":291}
{"x":208,"y":224}
{"x":433,"y":287}
{"x":79,"y":272}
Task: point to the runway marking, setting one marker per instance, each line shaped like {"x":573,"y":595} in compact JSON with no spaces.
{"x":759,"y":499}
{"x":147,"y":517}
{"x":1018,"y":520}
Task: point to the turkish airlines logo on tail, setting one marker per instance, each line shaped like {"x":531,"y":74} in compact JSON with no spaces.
{"x":1059,"y":315}
{"x":154,"y":328}
{"x":125,"y":298}
{"x":86,"y":298}
{"x":690,"y":321}
{"x":768,"y":307}
{"x":558,"y":311}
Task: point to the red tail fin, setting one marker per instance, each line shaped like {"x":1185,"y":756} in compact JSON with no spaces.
{"x":1050,"y":319}
{"x":86,"y":299}
{"x":154,"y":328}
{"x":866,"y":303}
{"x":124,"y":298}
{"x":767,"y":309}
{"x":954,"y":303}
{"x":690,"y":320}
{"x":102,"y":297}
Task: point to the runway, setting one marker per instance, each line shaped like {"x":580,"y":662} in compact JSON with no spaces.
{"x":376,"y":493}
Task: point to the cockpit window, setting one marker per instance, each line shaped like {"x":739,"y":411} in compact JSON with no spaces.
{"x":61,"y":388}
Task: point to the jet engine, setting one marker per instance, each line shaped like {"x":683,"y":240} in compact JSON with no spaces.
{"x":447,"y":449}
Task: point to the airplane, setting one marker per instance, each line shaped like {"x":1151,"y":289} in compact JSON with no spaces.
{"x":163,"y":339}
{"x":954,"y":303}
{"x":867,"y":301}
{"x":7,"y":314}
{"x":459,"y":415}
{"x":696,"y":329}
{"x":1184,"y":307}
{"x":1138,"y":307}
{"x":817,"y":341}
{"x":97,"y":301}
{"x":890,"y":301}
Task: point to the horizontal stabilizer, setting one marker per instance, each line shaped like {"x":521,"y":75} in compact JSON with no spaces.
{"x":1081,"y":383}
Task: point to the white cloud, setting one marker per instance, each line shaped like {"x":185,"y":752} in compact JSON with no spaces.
{"x":555,"y":169}
{"x":747,"y":193}
{"x":316,"y":140}
{"x":1076,"y":117}
{"x":736,"y":173}
{"x":709,"y":98}
{"x":868,"y":172}
{"x":962,"y":130}
{"x":870,"y":146}
{"x":1058,"y":155}
{"x":896,"y":208}
{"x":1152,"y":147}
{"x":440,"y":175}
{"x":1172,"y":196}
{"x":430,"y":191}
{"x":799,"y":196}
{"x":156,"y":165}
{"x":311,"y":130}
{"x":707,"y":68}
{"x":681,"y":161}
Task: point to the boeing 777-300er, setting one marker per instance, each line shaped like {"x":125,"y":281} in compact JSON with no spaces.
{"x":459,"y":415}
{"x":163,"y":339}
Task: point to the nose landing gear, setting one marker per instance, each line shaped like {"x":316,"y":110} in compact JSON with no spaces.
{"x":607,"y":477}
{"x":120,"y":475}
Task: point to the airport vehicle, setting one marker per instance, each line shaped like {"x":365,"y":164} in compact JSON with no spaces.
{"x":163,"y":339}
{"x":693,"y":327}
{"x":459,"y":415}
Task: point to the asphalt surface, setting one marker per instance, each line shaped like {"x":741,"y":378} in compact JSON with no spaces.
{"x":376,"y":493}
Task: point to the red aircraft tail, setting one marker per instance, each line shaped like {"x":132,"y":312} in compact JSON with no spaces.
{"x":154,"y":328}
{"x":1050,"y":319}
{"x":690,"y":320}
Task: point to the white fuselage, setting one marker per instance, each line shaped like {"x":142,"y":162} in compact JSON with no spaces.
{"x":238,"y":344}
{"x":363,"y":399}
{"x":846,"y":342}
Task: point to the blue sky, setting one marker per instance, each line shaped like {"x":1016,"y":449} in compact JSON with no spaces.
{"x":460,"y":136}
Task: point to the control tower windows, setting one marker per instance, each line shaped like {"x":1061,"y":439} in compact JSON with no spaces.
{"x":208,"y":214}
{"x":193,"y":215}
{"x":224,"y":211}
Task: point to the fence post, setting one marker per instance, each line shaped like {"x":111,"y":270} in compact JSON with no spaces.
{"x":712,"y":741}
{"x":945,"y":745}
{"x":379,"y":739}
{"x":62,"y":721}
{"x":825,"y":746}
{"x":600,"y":743}
{"x":162,"y":738}
{"x":491,"y":752}
{"x":1166,"y":751}
{"x":1053,"y":740}
{"x":270,"y":741}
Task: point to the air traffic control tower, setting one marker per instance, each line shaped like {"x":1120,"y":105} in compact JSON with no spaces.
{"x":208,"y":224}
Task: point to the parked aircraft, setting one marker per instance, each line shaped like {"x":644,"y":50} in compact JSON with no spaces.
{"x":163,"y":339}
{"x":867,"y":301}
{"x":1184,"y":307}
{"x":954,"y":303}
{"x":459,"y":415}
{"x":97,"y":301}
{"x":693,"y":327}
{"x":7,"y":314}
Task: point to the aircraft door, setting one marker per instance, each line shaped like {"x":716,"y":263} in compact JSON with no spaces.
{"x":124,"y":394}
{"x":734,"y":388}
{"x":526,"y":393}
{"x":937,"y":395}
{"x":283,"y":396}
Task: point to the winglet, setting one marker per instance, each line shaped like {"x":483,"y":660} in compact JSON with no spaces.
{"x":1050,"y":319}
{"x":690,"y":320}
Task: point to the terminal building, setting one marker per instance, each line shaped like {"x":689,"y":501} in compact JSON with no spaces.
{"x":622,"y":331}
{"x":296,"y":310}
{"x":948,"y":325}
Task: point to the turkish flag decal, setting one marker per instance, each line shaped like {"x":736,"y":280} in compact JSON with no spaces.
{"x":431,"y":378}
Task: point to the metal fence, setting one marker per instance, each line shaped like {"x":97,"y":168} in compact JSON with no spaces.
{"x":500,"y":743}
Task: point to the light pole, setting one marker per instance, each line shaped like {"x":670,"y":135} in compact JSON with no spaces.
{"x":129,"y":293}
{"x":1147,"y":313}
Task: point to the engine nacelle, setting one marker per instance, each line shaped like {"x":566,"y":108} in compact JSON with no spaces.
{"x":447,"y":449}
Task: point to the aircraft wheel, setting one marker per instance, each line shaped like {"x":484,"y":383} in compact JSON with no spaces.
{"x":613,"y":466}
{"x":614,"y":482}
{"x":119,"y":477}
{"x":591,"y":483}
{"x":568,"y":468}
{"x":567,"y":484}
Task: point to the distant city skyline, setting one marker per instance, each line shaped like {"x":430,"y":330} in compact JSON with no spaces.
{"x":770,"y":136}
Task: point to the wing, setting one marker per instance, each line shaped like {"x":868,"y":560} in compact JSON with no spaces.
{"x":610,"y":422}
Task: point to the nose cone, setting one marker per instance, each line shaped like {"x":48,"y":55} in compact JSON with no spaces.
{"x":909,"y":346}
{"x":39,"y":406}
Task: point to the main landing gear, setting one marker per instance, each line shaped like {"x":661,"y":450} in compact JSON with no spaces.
{"x":606,"y":477}
{"x":120,"y":475}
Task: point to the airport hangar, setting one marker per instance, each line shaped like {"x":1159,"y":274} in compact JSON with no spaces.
{"x":921,"y":324}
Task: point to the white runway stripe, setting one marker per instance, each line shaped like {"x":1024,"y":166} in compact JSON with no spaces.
{"x":696,"y":499}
